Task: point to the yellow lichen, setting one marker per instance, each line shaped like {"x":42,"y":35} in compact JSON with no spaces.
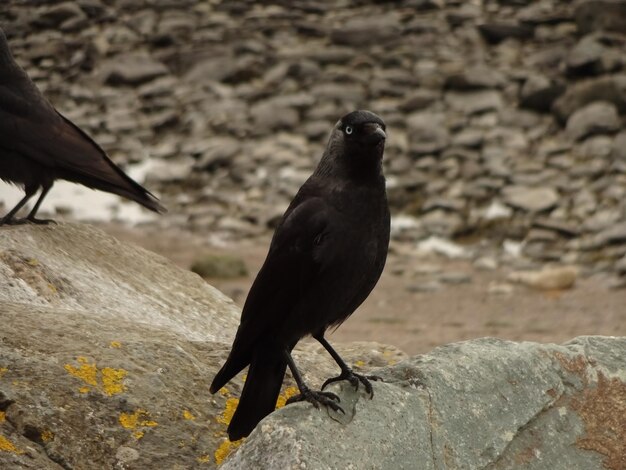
{"x":115,"y":344}
{"x":188,"y":416}
{"x":359,"y":363}
{"x":138,"y":434}
{"x":229,"y":411}
{"x":224,"y":391}
{"x":225,"y":449}
{"x":47,"y":436}
{"x":133,"y":420}
{"x":2,"y":416}
{"x":32,"y":262}
{"x":112,"y":380}
{"x":3,"y":370}
{"x":286,"y":395}
{"x":86,"y":372}
{"x":204,"y":459}
{"x":8,"y":446}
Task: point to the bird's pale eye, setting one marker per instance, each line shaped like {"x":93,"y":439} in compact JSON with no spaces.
{"x":349,"y":130}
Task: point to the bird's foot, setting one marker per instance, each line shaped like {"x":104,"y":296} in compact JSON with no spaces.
{"x":354,"y":380}
{"x":328,"y":399}
{"x":12,"y":221}
{"x":36,"y":221}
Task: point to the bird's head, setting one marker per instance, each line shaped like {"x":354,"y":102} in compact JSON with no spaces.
{"x":355,"y":146}
{"x":361,"y":132}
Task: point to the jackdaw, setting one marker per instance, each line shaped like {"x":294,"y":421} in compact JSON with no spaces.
{"x":38,"y":145}
{"x":326,"y":256}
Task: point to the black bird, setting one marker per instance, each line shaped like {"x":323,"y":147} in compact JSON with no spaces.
{"x":38,"y":146}
{"x":324,"y":259}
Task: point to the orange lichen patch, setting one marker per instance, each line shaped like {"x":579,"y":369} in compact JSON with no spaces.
{"x":229,"y":411}
{"x":603,"y":411}
{"x":225,"y":449}
{"x":115,"y":344}
{"x":8,"y":446}
{"x":112,"y":380}
{"x":188,"y":416}
{"x":136,"y":419}
{"x":3,"y":370}
{"x":286,"y":395}
{"x":576,"y":365}
{"x":86,"y":372}
{"x":47,"y":436}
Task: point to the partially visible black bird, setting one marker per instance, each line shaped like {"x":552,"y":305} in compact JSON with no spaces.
{"x":38,"y":146}
{"x":325,"y":258}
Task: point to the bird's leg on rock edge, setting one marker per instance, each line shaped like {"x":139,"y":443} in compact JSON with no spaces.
{"x":306,"y":394}
{"x":8,"y":219}
{"x":31,"y":217}
{"x":346,"y":372}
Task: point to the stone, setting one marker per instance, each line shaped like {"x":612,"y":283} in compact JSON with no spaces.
{"x":598,"y":117}
{"x":474,"y":78}
{"x":585,"y":58}
{"x":549,"y":278}
{"x":530,"y":199}
{"x":364,"y":31}
{"x":474,"y":102}
{"x":133,"y":69}
{"x":556,"y":400}
{"x":499,"y":31}
{"x":427,"y":133}
{"x":107,"y":352}
{"x":539,"y":93}
{"x":607,"y":15}
{"x":611,"y":89}
{"x":219,"y":266}
{"x":619,"y":147}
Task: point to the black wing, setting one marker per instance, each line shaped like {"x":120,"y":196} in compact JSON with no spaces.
{"x":291,"y":265}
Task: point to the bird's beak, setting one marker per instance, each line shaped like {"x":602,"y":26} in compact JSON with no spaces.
{"x":374,"y":132}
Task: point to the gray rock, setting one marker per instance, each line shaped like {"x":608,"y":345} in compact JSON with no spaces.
{"x":619,"y":147}
{"x":474,"y":102}
{"x":598,"y":117}
{"x":133,"y":69}
{"x":610,"y":88}
{"x":530,"y":199}
{"x":364,"y":31}
{"x":108,"y":351}
{"x":427,"y":132}
{"x":594,"y":15}
{"x":499,"y":31}
{"x":552,"y":407}
{"x":539,"y":93}
{"x":475,"y":77}
{"x":586,"y":57}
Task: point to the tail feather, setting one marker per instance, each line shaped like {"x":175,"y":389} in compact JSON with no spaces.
{"x":259,"y":395}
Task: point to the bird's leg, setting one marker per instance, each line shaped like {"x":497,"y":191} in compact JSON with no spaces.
{"x":8,"y":219}
{"x":346,"y":372}
{"x":31,"y":217}
{"x":306,"y":394}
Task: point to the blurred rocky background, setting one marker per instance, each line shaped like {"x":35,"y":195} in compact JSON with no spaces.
{"x":506,"y":157}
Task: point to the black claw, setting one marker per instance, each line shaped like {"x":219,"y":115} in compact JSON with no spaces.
{"x":35,"y":221}
{"x":354,"y":380}
{"x":328,"y":399}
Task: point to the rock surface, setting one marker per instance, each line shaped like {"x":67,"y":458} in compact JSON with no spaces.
{"x":485,"y":403}
{"x":107,"y":352}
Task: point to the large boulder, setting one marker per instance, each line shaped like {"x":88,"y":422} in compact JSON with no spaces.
{"x":107,"y":352}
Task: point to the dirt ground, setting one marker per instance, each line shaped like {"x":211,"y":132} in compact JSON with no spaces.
{"x":417,"y":321}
